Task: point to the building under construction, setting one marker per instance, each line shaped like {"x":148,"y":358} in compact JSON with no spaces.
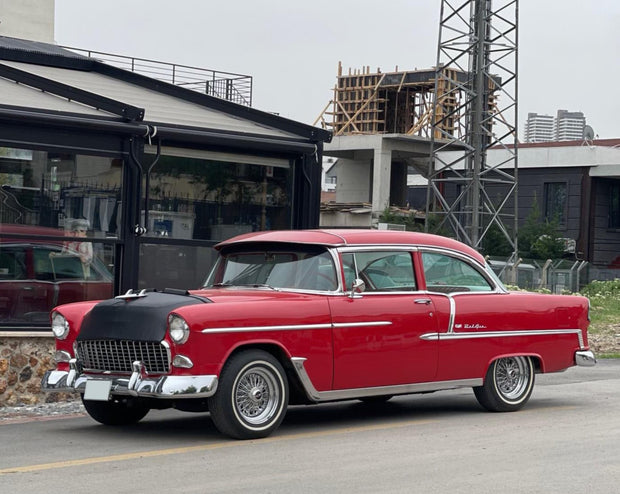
{"x":399,"y":102}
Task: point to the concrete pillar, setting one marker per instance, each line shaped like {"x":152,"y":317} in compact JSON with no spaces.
{"x":381,"y":180}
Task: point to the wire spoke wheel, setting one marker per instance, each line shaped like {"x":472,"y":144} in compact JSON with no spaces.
{"x":257,"y":396}
{"x":252,"y":395}
{"x":507,"y":385}
{"x":512,"y":377}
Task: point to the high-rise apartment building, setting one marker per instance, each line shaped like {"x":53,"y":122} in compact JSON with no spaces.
{"x":569,"y":126}
{"x":539,"y":128}
{"x":565,"y":126}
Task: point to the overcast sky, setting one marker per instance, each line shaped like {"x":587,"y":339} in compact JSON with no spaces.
{"x":568,"y":49}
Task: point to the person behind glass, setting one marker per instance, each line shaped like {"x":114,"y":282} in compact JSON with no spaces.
{"x":84,"y":250}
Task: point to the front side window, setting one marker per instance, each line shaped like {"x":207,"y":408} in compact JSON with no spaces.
{"x":380,"y":270}
{"x":302,"y":269}
{"x":449,"y":274}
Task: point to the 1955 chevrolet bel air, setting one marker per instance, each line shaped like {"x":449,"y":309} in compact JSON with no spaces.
{"x":303,"y":317}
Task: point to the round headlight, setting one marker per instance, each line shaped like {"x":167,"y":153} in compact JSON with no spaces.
{"x":178,"y":329}
{"x":60,"y":326}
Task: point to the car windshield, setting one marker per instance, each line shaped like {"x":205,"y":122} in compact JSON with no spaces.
{"x":278,"y":268}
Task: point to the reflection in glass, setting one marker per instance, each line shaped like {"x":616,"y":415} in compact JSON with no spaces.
{"x":53,"y":190}
{"x":195,"y":198}
{"x":55,"y":195}
{"x":174,"y":266}
{"x":37,"y":275}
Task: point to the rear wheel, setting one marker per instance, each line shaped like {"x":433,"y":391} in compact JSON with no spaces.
{"x":507,"y":385}
{"x":118,"y":412}
{"x":252,"y":396}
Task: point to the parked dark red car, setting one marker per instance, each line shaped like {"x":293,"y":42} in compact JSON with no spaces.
{"x":38,"y":274}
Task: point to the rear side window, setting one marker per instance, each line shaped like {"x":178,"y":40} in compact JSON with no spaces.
{"x":449,"y":274}
{"x":380,"y":270}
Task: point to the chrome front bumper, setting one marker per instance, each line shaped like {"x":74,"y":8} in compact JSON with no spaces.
{"x":138,"y":384}
{"x":585,"y":358}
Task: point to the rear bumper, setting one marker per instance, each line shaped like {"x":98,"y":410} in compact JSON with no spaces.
{"x":585,"y":358}
{"x":139,"y":384}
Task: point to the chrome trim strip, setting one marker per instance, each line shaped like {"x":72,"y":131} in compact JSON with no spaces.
{"x":347,"y":394}
{"x":452,"y":314}
{"x":288,"y":327}
{"x":501,"y":334}
{"x":378,"y":247}
{"x":295,"y":327}
{"x":361,"y":324}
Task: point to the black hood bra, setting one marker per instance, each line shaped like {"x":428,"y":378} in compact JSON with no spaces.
{"x":138,"y":318}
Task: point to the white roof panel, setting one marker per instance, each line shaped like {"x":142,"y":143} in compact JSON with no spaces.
{"x":29,"y":97}
{"x":159,"y":108}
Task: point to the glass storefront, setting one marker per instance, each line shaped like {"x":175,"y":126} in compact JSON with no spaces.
{"x":73,"y":202}
{"x":61,"y":231}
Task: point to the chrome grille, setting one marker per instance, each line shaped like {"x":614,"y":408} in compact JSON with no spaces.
{"x":118,"y":355}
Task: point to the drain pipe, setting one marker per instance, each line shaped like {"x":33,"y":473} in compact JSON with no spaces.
{"x":140,"y":228}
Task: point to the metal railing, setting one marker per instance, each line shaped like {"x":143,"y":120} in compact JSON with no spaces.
{"x":225,"y":85}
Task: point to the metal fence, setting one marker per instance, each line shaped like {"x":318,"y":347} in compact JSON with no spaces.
{"x":555,"y":275}
{"x":225,"y":85}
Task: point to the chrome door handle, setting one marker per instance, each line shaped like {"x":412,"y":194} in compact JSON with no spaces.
{"x":425,"y":301}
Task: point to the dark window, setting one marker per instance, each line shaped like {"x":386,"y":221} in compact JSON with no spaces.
{"x":555,"y":202}
{"x":614,"y":205}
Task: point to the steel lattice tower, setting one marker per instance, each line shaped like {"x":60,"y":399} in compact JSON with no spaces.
{"x":475,"y":109}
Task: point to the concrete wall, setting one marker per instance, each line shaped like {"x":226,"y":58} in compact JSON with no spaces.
{"x":353,"y":180}
{"x":24,"y":359}
{"x":28,"y":19}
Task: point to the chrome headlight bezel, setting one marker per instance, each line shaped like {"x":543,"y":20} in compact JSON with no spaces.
{"x":178,"y":329}
{"x":60,"y":325}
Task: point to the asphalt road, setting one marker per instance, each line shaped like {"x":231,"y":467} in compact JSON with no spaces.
{"x":566,"y":440}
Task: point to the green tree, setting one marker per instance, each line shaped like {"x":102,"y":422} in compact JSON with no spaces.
{"x":539,"y":238}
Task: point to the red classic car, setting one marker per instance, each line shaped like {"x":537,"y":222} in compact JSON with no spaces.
{"x":302,"y":317}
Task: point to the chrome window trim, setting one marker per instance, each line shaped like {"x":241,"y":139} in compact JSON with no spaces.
{"x":383,"y":247}
{"x":352,"y":393}
{"x":294,"y":327}
{"x":352,"y":249}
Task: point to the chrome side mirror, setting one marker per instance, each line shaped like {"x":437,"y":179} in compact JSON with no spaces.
{"x":357,"y":287}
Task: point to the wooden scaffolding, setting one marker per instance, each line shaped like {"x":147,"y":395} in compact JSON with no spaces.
{"x":390,"y":103}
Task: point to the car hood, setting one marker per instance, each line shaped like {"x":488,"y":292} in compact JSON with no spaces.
{"x":139,"y":318}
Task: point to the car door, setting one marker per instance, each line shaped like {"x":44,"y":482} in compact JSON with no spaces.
{"x":466,"y":342}
{"x":376,"y":333}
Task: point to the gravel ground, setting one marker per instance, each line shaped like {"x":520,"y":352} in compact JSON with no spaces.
{"x":41,"y":411}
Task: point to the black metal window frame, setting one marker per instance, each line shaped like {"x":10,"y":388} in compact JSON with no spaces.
{"x":555,"y":197}
{"x":614,"y":205}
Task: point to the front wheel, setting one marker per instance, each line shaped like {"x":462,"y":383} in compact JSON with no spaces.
{"x":252,"y":396}
{"x":507,"y":385}
{"x":119,"y":412}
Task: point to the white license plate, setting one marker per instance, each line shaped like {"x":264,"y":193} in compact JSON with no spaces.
{"x":98,"y":390}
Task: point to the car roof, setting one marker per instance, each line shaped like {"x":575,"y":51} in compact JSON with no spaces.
{"x":354,"y":237}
